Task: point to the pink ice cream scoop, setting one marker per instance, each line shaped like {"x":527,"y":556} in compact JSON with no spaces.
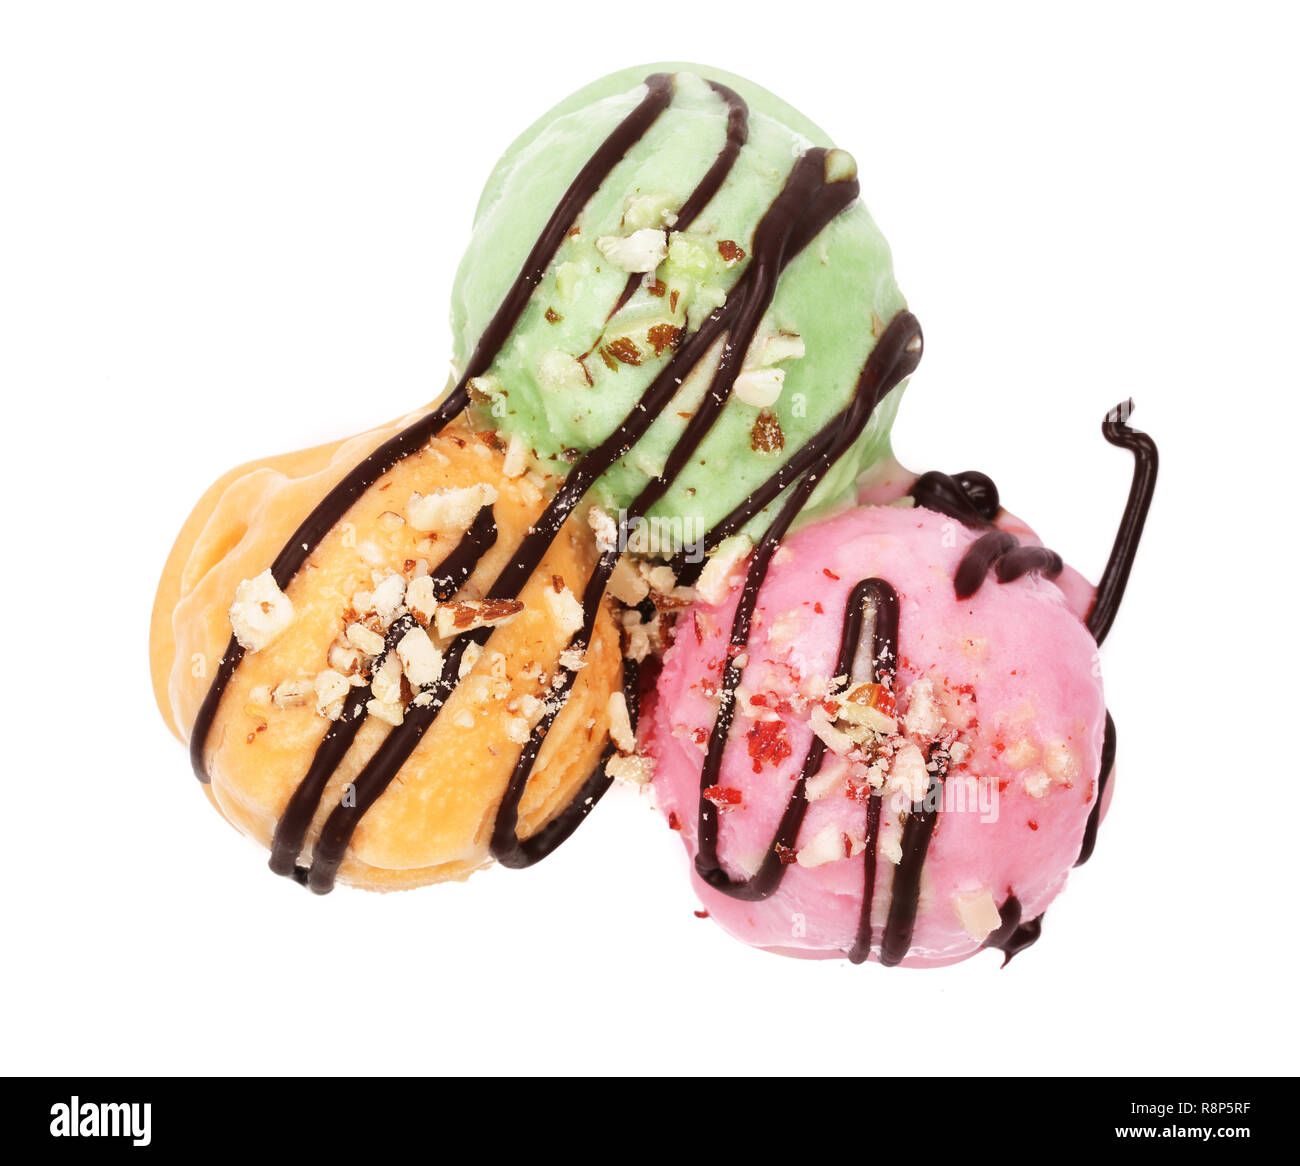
{"x":899,"y":758}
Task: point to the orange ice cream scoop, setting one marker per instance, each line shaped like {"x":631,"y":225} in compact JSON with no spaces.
{"x":377,"y":714}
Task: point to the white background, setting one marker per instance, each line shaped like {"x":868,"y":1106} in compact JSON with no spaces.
{"x":230,"y":229}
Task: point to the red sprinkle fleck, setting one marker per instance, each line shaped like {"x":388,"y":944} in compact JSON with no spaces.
{"x":1033,"y":825}
{"x":829,"y":573}
{"x":674,"y":822}
{"x":768,"y":742}
{"x":700,"y":736}
{"x":723,"y":796}
{"x":699,"y":627}
{"x":817,"y":607}
{"x":701,"y":914}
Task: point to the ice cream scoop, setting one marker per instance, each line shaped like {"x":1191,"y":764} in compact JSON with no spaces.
{"x":680,"y":247}
{"x":314,"y":729}
{"x":885,"y":736}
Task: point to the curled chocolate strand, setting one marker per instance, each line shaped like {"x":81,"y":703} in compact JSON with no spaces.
{"x":1107,"y":769}
{"x":979,"y":558}
{"x":1021,"y":560}
{"x":1146,"y":462}
{"x":1012,"y":936}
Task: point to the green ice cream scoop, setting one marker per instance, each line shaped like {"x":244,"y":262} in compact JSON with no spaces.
{"x":673,"y":239}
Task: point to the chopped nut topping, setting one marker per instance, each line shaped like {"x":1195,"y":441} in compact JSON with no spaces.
{"x":385,"y":711}
{"x":465,"y":615}
{"x":453,"y":509}
{"x":829,"y":844}
{"x":730,"y":251}
{"x":781,"y":346}
{"x":386,"y":683}
{"x":631,"y":769}
{"x":387,"y":598}
{"x":331,"y":689}
{"x":517,"y":730}
{"x":468,"y":659}
{"x":1061,"y":763}
{"x":516,"y":460}
{"x":661,"y":336}
{"x":291,"y":693}
{"x":565,"y":610}
{"x":552,"y":316}
{"x":1037,"y":783}
{"x":1022,"y":754}
{"x":261,"y":612}
{"x":767,"y":436}
{"x":977,"y":911}
{"x":366,"y":641}
{"x":908,"y":775}
{"x":923,"y":719}
{"x":420,"y":600}
{"x":714,"y":583}
{"x":642,"y":250}
{"x":760,"y":387}
{"x":622,"y":349}
{"x":627,"y":585}
{"x":573,"y":659}
{"x":421,"y":661}
{"x":604,"y":527}
{"x":620,"y":724}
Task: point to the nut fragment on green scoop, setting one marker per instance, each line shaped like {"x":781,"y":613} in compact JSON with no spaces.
{"x":570,"y":372}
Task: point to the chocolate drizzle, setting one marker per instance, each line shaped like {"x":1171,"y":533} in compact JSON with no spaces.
{"x":1146,"y":462}
{"x":1012,"y":936}
{"x":1103,"y":780}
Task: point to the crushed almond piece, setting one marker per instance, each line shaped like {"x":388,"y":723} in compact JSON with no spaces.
{"x":421,"y":661}
{"x":331,"y":689}
{"x":640,"y":251}
{"x":386,"y":711}
{"x":760,"y":387}
{"x":631,"y":769}
{"x":453,"y":509}
{"x":420,"y":599}
{"x":516,"y":460}
{"x":620,"y":724}
{"x":565,"y":609}
{"x":366,"y":641}
{"x":291,"y":693}
{"x":260,"y":613}
{"x":714,"y":583}
{"x":627,"y":584}
{"x":977,"y":911}
{"x":466,"y":615}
